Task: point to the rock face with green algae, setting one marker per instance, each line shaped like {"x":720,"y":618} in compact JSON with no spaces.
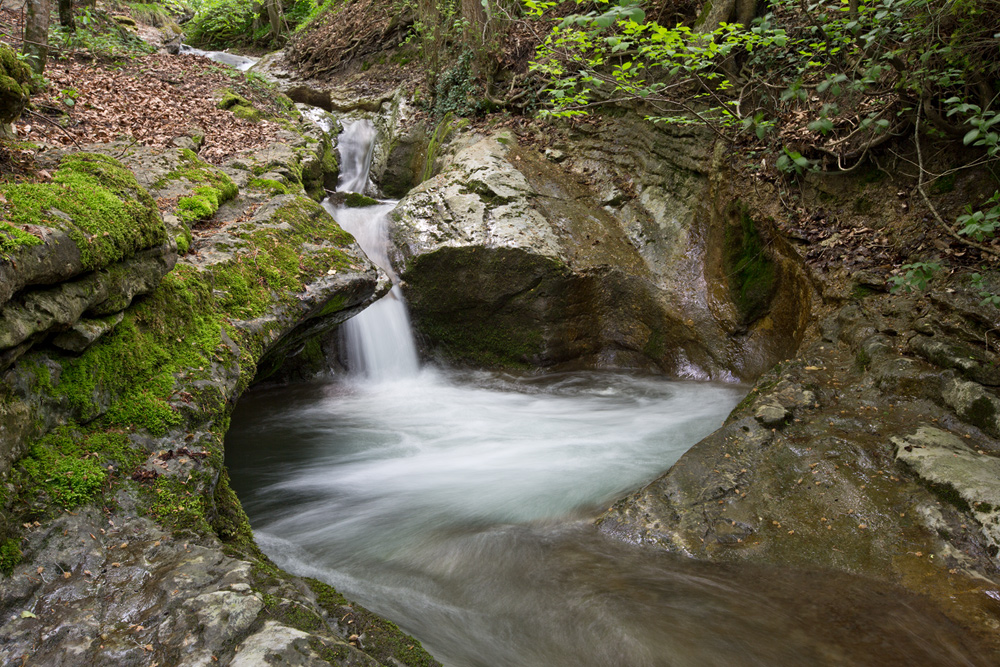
{"x":156,"y":564}
{"x":852,"y":456}
{"x":85,"y":244}
{"x":15,"y":87}
{"x":613,"y":258}
{"x":945,"y":462}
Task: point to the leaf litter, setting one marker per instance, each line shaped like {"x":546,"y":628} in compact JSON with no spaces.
{"x":150,"y":100}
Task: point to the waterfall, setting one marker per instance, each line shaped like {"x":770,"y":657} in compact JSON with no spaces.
{"x":378,"y":341}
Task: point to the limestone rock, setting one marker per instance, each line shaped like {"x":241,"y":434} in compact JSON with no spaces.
{"x":945,"y":461}
{"x":83,"y":334}
{"x":509,"y":258}
{"x":771,"y":414}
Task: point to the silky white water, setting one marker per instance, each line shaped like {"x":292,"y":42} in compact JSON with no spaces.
{"x":456,"y":503}
{"x":379,"y":342}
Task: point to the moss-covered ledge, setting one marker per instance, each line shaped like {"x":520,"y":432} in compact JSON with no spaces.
{"x":121,"y":537}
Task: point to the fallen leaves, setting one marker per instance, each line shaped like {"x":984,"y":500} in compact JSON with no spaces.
{"x":149,"y":100}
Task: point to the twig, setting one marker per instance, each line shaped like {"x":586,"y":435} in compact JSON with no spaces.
{"x":135,"y":140}
{"x":57,"y":125}
{"x":927,"y":200}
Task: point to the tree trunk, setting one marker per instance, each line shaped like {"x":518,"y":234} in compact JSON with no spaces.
{"x":36,"y":33}
{"x":274,"y":16}
{"x":66,"y":19}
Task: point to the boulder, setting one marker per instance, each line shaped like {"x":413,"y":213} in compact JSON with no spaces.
{"x":511,"y":258}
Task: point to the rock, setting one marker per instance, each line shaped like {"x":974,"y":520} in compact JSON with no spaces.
{"x":146,"y":554}
{"x":947,"y":463}
{"x":85,"y":244}
{"x":35,"y":313}
{"x":771,"y":415}
{"x":15,"y":87}
{"x":509,"y":259}
{"x":83,"y":334}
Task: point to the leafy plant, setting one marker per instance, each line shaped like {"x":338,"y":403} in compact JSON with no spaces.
{"x":982,"y":224}
{"x":915,"y":277}
{"x":840,"y":77}
{"x":988,"y":296}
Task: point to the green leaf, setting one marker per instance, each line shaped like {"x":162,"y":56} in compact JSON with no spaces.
{"x":970,"y":136}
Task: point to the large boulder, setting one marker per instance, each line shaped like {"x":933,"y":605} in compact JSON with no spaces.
{"x":617,"y":257}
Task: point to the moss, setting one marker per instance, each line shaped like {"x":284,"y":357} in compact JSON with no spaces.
{"x":750,"y":272}
{"x":656,"y":345}
{"x":183,"y":241}
{"x":384,"y":641}
{"x":272,"y":187}
{"x":179,"y":336}
{"x":355,"y":200}
{"x":203,"y":204}
{"x":12,"y":238}
{"x":485,"y":192}
{"x":860,"y":292}
{"x":943,"y":185}
{"x":96,"y":201}
{"x":247,"y":113}
{"x":66,"y":473}
{"x":863,"y":205}
{"x":334,"y":305}
{"x":200,"y":173}
{"x":15,"y":85}
{"x":231,"y":99}
{"x":442,"y":131}
{"x":177,"y":507}
{"x":10,"y":555}
{"x":983,"y":414}
{"x":862,"y":360}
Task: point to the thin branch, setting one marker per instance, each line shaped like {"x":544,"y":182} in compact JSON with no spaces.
{"x":57,"y":125}
{"x":937,"y":216}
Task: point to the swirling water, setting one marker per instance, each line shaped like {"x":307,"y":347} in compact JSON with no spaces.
{"x":459,"y":505}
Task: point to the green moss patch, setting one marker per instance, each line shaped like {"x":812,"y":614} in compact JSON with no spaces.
{"x":10,"y":555}
{"x":12,"y":238}
{"x":356,"y":200}
{"x":269,"y":186}
{"x":15,"y":85}
{"x":751,"y":273}
{"x":240,"y":106}
{"x":96,"y":201}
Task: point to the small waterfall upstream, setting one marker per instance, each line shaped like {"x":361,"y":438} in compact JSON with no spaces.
{"x":459,"y":505}
{"x":379,"y":342}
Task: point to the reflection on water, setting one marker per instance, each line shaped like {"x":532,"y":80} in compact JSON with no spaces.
{"x":454,"y":504}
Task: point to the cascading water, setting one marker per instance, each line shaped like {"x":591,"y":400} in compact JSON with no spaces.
{"x":455,"y":504}
{"x":242,"y":63}
{"x":378,"y":342}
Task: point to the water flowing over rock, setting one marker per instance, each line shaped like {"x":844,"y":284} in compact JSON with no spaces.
{"x":130,"y":545}
{"x":615,"y":257}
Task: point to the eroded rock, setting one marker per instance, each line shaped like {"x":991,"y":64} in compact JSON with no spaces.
{"x":509,"y":258}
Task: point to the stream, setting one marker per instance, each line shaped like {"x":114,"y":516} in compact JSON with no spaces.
{"x":459,"y":504}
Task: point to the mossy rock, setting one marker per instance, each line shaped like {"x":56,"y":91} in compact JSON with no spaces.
{"x":356,"y":200}
{"x":15,"y":85}
{"x":95,"y":201}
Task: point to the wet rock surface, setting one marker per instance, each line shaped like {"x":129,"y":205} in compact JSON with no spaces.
{"x":858,"y":455}
{"x":615,"y":257}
